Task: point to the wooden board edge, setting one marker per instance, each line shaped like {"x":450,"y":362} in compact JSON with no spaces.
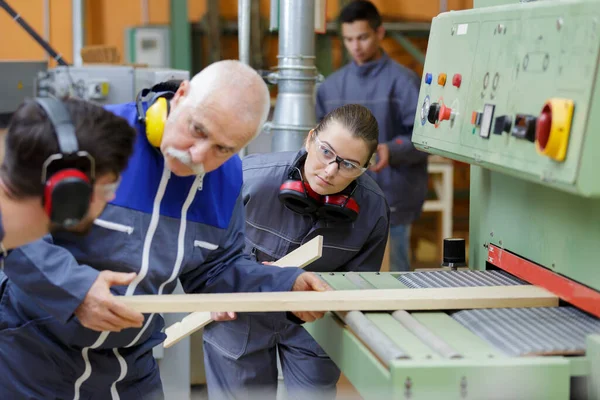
{"x":302,"y":256}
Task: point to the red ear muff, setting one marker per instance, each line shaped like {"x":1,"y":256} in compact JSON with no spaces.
{"x":340,"y":208}
{"x":67,"y":190}
{"x":67,"y":197}
{"x":299,"y":197}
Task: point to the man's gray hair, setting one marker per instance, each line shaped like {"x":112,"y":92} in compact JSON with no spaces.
{"x":243,"y":88}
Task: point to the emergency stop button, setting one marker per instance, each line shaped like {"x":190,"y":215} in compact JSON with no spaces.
{"x":553,"y":128}
{"x":445,"y":113}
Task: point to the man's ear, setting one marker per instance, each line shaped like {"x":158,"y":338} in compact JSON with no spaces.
{"x":380,"y":32}
{"x":181,"y":93}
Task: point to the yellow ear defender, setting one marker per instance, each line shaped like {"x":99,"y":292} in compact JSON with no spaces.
{"x":155,"y":117}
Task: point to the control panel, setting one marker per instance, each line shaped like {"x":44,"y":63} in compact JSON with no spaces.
{"x":511,"y":88}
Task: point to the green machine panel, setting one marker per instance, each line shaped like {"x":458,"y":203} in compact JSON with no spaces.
{"x":510,"y":88}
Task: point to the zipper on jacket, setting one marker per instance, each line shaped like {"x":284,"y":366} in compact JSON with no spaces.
{"x":114,"y":226}
{"x":201,"y":184}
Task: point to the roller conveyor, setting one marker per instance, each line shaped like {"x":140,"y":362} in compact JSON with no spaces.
{"x":443,"y":279}
{"x":515,"y":332}
{"x":532,"y":331}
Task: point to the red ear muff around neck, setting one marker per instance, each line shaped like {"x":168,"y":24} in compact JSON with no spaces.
{"x":67,"y":197}
{"x":299,"y":197}
{"x":339,"y":208}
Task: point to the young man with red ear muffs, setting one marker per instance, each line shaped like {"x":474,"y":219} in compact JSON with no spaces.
{"x":289,"y":198}
{"x":61,"y":166}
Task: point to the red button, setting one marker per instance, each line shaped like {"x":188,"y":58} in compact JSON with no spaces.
{"x":456,"y":80}
{"x":445,"y":113}
{"x":543,"y":126}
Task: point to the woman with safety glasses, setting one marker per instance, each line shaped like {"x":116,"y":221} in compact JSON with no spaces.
{"x":291,"y":197}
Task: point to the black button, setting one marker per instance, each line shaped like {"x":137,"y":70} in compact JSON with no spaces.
{"x":434,"y":113}
{"x":502,"y":124}
{"x":524,"y":127}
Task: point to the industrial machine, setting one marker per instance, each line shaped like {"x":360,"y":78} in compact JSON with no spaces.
{"x":17,"y":83}
{"x":511,"y":88}
{"x":100,"y":83}
{"x":103,"y":84}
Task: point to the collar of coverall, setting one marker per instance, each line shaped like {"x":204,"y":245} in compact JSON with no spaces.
{"x":371,"y":67}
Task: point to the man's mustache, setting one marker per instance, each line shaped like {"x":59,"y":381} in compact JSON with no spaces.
{"x":185,"y":158}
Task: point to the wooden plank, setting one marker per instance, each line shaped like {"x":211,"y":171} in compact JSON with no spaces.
{"x":348,"y":300}
{"x":301,"y":257}
{"x":188,"y":325}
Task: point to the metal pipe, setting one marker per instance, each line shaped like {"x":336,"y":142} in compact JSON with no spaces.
{"x":274,"y":16}
{"x":443,"y":6}
{"x":321,"y":16}
{"x":145,"y":12}
{"x":244,"y":19}
{"x":77,"y":31}
{"x":297,"y":75}
{"x":46,"y":7}
{"x":244,"y":30}
{"x":420,"y":331}
{"x":375,"y":339}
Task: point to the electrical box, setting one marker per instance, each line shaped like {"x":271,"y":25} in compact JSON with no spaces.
{"x":103,"y":84}
{"x":509,"y":88}
{"x":17,"y":83}
{"x":149,"y":45}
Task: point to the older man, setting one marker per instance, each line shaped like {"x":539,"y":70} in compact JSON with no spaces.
{"x":177,"y":215}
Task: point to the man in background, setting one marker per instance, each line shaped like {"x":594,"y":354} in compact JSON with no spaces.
{"x":391,"y":92}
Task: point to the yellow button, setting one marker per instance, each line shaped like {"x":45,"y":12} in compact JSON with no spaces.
{"x":553,"y":128}
{"x":104,"y":88}
{"x":442,"y":79}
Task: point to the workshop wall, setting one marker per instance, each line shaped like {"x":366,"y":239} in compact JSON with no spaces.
{"x":18,"y":45}
{"x":106,"y":21}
